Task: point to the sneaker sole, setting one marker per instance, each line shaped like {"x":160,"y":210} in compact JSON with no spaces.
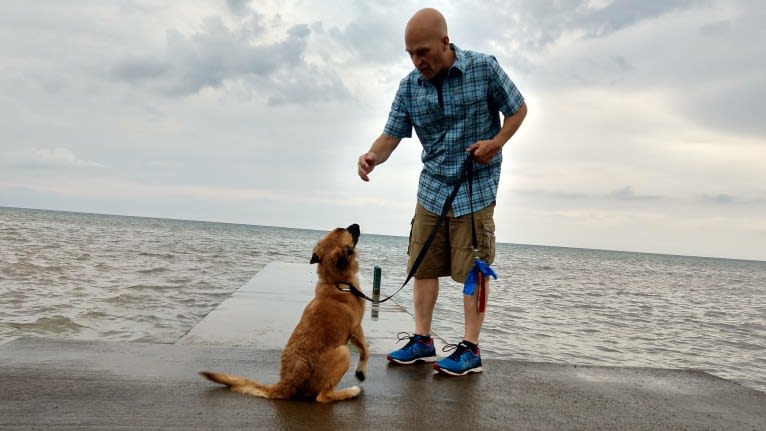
{"x":426,"y":359}
{"x":478,"y":369}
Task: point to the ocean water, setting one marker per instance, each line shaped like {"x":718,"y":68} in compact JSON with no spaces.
{"x":116,"y":278}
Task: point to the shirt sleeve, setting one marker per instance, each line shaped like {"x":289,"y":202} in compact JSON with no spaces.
{"x":399,"y":124}
{"x":503,"y":92}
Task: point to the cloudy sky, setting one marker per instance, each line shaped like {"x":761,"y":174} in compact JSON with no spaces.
{"x":646,"y":128}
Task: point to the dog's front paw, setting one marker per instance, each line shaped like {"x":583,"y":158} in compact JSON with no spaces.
{"x":361,"y":375}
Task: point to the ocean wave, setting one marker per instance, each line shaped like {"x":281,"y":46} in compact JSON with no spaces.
{"x":27,"y":268}
{"x":154,"y":287}
{"x":126,"y":299}
{"x":155,"y":270}
{"x":57,"y":324}
{"x":159,"y":255}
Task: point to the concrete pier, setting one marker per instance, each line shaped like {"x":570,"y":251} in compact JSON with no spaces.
{"x":65,"y":384}
{"x":264,"y":312}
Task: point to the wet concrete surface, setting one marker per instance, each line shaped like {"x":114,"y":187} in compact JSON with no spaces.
{"x":47,"y":383}
{"x":264,"y":311}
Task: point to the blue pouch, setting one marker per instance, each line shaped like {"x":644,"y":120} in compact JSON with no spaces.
{"x":470,"y":282}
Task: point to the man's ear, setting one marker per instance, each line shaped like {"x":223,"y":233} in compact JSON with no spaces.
{"x":314,"y":258}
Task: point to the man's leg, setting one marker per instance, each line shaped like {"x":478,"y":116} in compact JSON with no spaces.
{"x":466,"y":357}
{"x":473,"y":319}
{"x":436,"y":263}
{"x":420,"y":347}
{"x":463,"y":258}
{"x":425,"y":294}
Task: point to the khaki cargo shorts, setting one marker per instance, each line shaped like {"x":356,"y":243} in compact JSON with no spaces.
{"x":451,"y":252}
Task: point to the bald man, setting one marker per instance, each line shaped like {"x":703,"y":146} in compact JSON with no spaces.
{"x":453,"y":99}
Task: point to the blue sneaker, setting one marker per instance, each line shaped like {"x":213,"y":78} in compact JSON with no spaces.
{"x":461,"y":362}
{"x":417,"y":349}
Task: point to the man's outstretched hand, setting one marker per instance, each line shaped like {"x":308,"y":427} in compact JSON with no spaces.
{"x":366,"y":165}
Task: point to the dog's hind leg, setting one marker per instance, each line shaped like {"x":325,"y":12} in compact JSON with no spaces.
{"x":358,"y":340}
{"x":334,"y":365}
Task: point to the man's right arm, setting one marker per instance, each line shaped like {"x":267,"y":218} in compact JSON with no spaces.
{"x":379,"y":152}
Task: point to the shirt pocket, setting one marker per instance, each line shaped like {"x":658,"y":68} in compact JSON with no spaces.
{"x":428,"y":120}
{"x":469,"y":114}
{"x":468,"y":102}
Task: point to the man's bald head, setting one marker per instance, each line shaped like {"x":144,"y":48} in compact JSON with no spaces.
{"x":426,"y":22}
{"x":427,"y":42}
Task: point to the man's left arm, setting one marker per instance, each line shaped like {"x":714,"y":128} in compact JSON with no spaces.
{"x":484,"y":151}
{"x":503,"y":95}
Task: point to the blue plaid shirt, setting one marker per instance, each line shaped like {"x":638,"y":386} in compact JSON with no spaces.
{"x":475,"y":89}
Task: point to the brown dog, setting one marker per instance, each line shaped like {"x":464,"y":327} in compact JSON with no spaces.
{"x":317,"y":355}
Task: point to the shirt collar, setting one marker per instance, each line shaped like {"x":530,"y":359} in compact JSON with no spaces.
{"x":459,"y":65}
{"x":457,"y":68}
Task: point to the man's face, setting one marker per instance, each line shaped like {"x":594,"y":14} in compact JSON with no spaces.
{"x":427,"y":55}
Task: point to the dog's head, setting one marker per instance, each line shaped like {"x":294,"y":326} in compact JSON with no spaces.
{"x":336,"y":253}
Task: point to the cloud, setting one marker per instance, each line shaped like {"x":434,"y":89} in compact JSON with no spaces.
{"x":374,"y":37}
{"x":626,"y":194}
{"x":726,"y":199}
{"x":239,"y":7}
{"x":621,"y":194}
{"x":721,"y":198}
{"x":57,"y":157}
{"x":141,"y":190}
{"x":685,"y":50}
{"x":533,"y":25}
{"x":164,"y":164}
{"x":275,"y":71}
{"x":617,"y":15}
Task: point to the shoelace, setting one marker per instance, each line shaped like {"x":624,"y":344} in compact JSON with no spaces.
{"x":458,"y":350}
{"x":406,"y":336}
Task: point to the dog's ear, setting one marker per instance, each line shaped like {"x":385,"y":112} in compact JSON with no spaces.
{"x":314,"y":258}
{"x":354,"y":231}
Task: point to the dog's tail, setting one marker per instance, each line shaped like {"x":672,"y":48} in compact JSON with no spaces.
{"x":242,"y":385}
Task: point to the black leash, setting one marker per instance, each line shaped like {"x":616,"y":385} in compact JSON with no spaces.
{"x":466,"y":174}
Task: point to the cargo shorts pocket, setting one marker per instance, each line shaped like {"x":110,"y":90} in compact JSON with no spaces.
{"x":488,"y":240}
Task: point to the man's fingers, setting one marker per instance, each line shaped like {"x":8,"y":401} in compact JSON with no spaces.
{"x":365,"y":166}
{"x":475,"y":149}
{"x":363,"y":174}
{"x":481,"y":152}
